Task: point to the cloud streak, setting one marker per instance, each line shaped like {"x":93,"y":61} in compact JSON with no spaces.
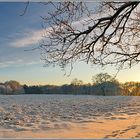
{"x":17,"y":63}
{"x":32,"y":38}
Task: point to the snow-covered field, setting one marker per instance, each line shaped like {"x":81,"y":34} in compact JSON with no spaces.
{"x":69,"y":116}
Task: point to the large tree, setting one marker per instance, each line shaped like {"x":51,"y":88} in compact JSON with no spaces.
{"x":102,"y":78}
{"x":106,"y":34}
{"x":106,"y":84}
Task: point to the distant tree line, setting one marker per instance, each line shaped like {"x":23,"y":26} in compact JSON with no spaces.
{"x":102,"y":84}
{"x":11,"y":87}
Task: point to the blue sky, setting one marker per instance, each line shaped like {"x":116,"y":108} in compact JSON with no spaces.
{"x":19,"y":33}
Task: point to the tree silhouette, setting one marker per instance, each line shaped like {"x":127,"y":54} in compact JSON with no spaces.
{"x":108,"y":35}
{"x":102,"y":77}
{"x":105,"y":81}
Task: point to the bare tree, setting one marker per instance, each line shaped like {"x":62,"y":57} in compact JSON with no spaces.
{"x":106,"y":35}
{"x":76,"y":82}
{"x":102,"y":78}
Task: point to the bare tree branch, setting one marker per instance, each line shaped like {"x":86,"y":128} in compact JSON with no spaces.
{"x":25,"y":9}
{"x":107,"y":35}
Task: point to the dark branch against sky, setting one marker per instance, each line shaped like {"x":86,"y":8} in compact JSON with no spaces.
{"x":18,"y":33}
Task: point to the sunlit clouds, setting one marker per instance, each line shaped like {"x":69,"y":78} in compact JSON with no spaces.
{"x":32,"y":38}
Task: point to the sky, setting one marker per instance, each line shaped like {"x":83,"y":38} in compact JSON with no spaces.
{"x":20,"y":33}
